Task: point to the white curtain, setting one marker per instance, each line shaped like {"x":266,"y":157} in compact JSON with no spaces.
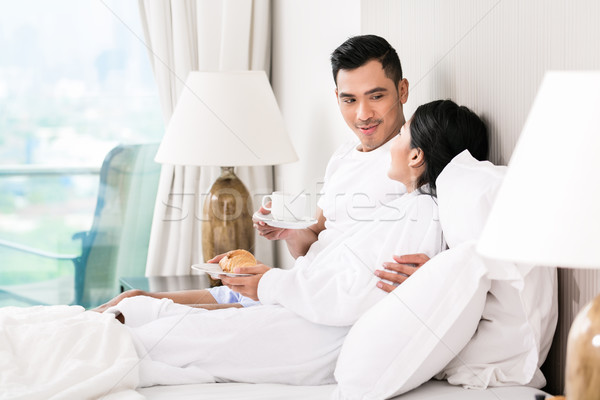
{"x":186,"y":35}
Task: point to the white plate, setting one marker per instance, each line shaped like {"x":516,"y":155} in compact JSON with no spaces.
{"x":214,"y":270}
{"x":268,"y":219}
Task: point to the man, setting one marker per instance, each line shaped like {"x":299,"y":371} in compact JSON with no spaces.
{"x":370,"y":92}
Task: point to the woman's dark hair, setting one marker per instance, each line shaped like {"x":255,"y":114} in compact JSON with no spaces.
{"x":442,"y":129}
{"x":358,"y":50}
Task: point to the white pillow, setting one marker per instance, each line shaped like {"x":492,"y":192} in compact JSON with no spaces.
{"x":409,"y":336}
{"x":423,"y":325}
{"x":519,"y":318}
{"x":466,"y":192}
{"x":513,"y":337}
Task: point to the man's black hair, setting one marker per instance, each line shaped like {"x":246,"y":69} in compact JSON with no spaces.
{"x":358,"y":50}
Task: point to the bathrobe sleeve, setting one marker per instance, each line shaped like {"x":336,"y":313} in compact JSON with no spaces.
{"x":338,"y":285}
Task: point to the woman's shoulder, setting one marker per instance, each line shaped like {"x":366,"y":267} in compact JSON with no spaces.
{"x":426,"y":206}
{"x":417,"y":197}
{"x":412,"y":206}
{"x":428,"y":199}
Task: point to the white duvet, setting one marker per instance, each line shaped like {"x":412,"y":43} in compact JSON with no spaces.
{"x":295,"y":336}
{"x":64,"y":352}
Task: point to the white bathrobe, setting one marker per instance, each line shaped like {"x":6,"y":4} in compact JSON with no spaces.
{"x":337,"y":285}
{"x":296,"y":335}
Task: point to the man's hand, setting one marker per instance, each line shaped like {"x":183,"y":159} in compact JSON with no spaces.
{"x":271,"y":233}
{"x":246,"y":285}
{"x":399,"y":271}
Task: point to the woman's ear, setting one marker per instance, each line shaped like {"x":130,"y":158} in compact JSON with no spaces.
{"x":417,"y":158}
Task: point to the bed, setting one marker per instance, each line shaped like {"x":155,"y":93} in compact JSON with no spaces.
{"x":474,"y":199}
{"x":432,"y":390}
{"x":67,"y":352}
{"x":64,"y":352}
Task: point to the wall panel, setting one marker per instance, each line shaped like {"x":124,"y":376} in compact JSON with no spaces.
{"x":491,"y":55}
{"x":305,"y":32}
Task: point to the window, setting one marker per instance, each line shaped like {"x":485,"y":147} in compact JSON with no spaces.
{"x":75,"y":80}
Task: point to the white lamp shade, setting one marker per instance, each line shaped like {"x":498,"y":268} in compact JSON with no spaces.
{"x":547,"y":211}
{"x":226,"y":119}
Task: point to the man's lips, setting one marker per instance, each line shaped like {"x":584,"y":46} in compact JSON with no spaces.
{"x":368,"y":127}
{"x":368,"y":130}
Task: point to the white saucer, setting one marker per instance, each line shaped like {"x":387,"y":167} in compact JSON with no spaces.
{"x":296,"y":224}
{"x":214,"y":270}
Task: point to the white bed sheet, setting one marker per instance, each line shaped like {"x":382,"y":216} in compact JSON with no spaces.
{"x":432,"y":390}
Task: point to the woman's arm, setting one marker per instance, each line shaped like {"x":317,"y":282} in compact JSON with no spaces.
{"x":189,"y":297}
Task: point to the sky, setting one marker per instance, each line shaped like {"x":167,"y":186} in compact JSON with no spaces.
{"x":73,"y":64}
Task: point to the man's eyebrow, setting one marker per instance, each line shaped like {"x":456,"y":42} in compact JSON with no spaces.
{"x":375,"y":90}
{"x":368,"y":92}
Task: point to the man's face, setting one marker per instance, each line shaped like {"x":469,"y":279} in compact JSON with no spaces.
{"x":371,"y":104}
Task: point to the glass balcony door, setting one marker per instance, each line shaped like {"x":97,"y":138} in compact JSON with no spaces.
{"x":75,"y":81}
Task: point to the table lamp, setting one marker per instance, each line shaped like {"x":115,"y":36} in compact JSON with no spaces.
{"x":547,"y":212}
{"x":226,"y":119}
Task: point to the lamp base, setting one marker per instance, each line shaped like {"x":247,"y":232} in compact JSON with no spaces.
{"x":226,"y":218}
{"x":583,"y":354}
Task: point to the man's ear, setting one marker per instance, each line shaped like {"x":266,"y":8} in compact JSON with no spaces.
{"x":402,"y":91}
{"x":417,"y":158}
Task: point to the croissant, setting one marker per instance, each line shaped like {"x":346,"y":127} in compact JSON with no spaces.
{"x":237,"y":258}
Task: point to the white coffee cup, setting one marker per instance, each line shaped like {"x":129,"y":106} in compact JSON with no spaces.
{"x":287,"y":206}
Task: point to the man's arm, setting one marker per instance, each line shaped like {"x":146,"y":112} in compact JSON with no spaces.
{"x":298,"y":240}
{"x":399,"y":271}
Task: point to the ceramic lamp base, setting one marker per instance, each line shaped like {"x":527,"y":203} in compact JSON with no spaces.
{"x":226,"y":217}
{"x":583,"y":354}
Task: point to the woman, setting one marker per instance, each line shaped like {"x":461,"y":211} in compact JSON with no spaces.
{"x":296,"y":335}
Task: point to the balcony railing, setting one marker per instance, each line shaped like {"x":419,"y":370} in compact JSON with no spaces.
{"x":46,"y":224}
{"x":45,"y":170}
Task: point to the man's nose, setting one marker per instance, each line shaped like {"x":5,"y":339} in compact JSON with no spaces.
{"x":365,"y":111}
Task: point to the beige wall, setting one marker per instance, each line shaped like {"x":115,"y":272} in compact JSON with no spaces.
{"x":491,"y":56}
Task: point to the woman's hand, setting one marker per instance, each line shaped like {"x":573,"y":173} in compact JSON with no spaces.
{"x":245,"y":285}
{"x":399,"y":271}
{"x":117,"y":300}
{"x":217,"y":258}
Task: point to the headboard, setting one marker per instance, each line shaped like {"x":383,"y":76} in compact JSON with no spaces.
{"x":491,"y":56}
